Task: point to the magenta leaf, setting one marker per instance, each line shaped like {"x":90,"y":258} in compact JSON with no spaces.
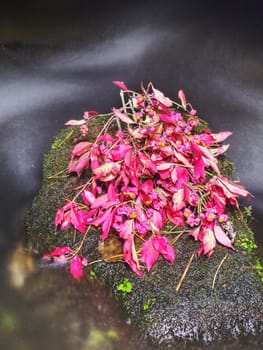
{"x":130,"y":255}
{"x":162,"y":246}
{"x":58,"y":252}
{"x":119,"y":152}
{"x":78,"y":220}
{"x":120,"y":84}
{"x":149,"y":254}
{"x":76,"y":267}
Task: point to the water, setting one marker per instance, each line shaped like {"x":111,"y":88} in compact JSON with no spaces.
{"x":58,"y":61}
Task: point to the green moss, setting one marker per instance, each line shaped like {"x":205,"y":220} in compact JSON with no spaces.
{"x":125,"y":287}
{"x":245,"y":240}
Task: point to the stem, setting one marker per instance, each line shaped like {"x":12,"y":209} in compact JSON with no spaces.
{"x":185,"y":272}
{"x":217,"y":270}
{"x":177,"y":237}
{"x":66,"y":138}
{"x":82,"y":242}
{"x":56,"y":176}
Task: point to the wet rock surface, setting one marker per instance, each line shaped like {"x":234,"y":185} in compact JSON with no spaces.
{"x":207,"y":307}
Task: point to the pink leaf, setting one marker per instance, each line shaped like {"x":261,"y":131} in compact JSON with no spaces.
{"x":167,"y":118}
{"x":221,"y":236}
{"x":130,"y":255}
{"x":77,"y":220}
{"x":221,"y":136}
{"x":126,"y":229}
{"x":89,"y":114}
{"x":156,"y":221}
{"x":100,"y":201}
{"x":147,"y":162}
{"x":81,"y":148}
{"x":111,"y":193}
{"x":106,"y":169}
{"x":78,"y":165}
{"x":162,"y":246}
{"x":207,"y":240}
{"x":182,"y":98}
{"x":178,"y":199}
{"x":147,"y":186}
{"x":75,"y":122}
{"x":107,"y":224}
{"x":176,"y":217}
{"x":76,"y":267}
{"x":119,"y":152}
{"x":149,"y":254}
{"x":88,"y":197}
{"x":161,"y":98}
{"x":122,"y":116}
{"x":232,"y":189}
{"x":57,"y":253}
{"x":120,"y":84}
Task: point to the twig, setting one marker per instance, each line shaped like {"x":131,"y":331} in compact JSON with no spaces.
{"x":177,"y":237}
{"x":57,"y":175}
{"x":66,"y":138}
{"x":217,"y":270}
{"x":185,"y":272}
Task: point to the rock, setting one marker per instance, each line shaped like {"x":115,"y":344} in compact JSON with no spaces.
{"x":214,"y":302}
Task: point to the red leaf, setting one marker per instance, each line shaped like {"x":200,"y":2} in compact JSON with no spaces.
{"x":76,"y":267}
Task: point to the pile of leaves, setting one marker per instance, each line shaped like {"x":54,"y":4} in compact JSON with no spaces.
{"x":159,"y":169}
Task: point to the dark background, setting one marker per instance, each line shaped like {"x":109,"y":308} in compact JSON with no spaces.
{"x":58,"y":59}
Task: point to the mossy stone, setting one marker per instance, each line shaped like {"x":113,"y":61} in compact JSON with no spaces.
{"x":197,"y":311}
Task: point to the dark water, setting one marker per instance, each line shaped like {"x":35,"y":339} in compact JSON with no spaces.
{"x":58,"y":59}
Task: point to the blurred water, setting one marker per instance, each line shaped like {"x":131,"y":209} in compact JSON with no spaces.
{"x":57,"y":60}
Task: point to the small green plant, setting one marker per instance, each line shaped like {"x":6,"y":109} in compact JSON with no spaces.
{"x":125,"y":287}
{"x":248,"y":244}
{"x":259,"y":269}
{"x":92,"y":274}
{"x":148,"y":303}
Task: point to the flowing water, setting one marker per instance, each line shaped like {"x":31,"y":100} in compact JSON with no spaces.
{"x":58,"y":59}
